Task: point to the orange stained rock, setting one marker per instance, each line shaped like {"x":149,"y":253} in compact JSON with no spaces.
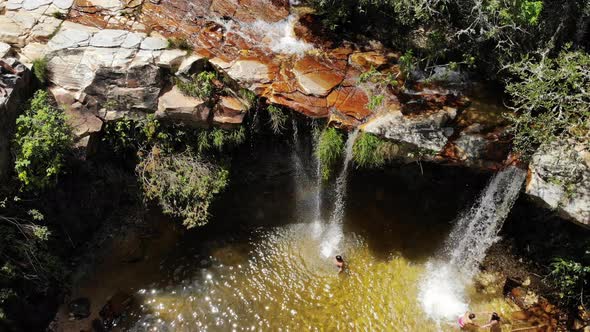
{"x":351,"y":101}
{"x":309,"y":105}
{"x":366,"y":60}
{"x":318,"y":78}
{"x":229,"y":111}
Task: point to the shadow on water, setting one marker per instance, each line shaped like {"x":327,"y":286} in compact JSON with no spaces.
{"x":400,"y":210}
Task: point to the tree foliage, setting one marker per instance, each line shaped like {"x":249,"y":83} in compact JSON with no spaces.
{"x":277,"y":119}
{"x":571,"y":279}
{"x":201,"y":85}
{"x":183,"y":184}
{"x":42,"y":140}
{"x":551,"y":100}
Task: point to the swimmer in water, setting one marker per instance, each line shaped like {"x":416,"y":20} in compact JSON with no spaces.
{"x":494,"y":323}
{"x":340,"y":263}
{"x":466,"y":321}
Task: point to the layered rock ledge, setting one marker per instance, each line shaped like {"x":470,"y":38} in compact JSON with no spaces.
{"x":111,"y":58}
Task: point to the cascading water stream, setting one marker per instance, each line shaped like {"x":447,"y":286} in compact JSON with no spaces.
{"x":442,"y":290}
{"x":338,"y":212}
{"x":334,"y":234}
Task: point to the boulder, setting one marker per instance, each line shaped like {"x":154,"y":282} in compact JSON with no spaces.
{"x":250,"y":71}
{"x":229,"y":112}
{"x":175,"y":106}
{"x":559,"y":178}
{"x":425,"y":131}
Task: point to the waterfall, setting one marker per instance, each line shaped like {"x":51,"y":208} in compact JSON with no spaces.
{"x":442,"y":290}
{"x":333,"y":235}
{"x":476,"y":230}
{"x":338,"y":212}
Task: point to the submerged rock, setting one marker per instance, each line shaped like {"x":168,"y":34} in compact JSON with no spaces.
{"x":79,"y":308}
{"x":115,"y":307}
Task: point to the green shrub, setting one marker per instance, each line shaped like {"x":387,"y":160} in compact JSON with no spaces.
{"x":127,"y":134}
{"x":550,"y":100}
{"x":375,"y":102}
{"x":199,"y":86}
{"x":329,"y":150}
{"x":571,"y":279}
{"x":42,"y":140}
{"x":277,"y":119}
{"x":365,"y":151}
{"x":40,"y":69}
{"x":407,"y":63}
{"x":59,"y":15}
{"x":179,"y":43}
{"x":184,"y":185}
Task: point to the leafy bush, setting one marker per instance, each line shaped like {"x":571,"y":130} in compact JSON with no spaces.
{"x":329,"y":150}
{"x":277,"y":119}
{"x":374,"y":102}
{"x":27,"y":266}
{"x":42,"y":140}
{"x":365,"y":151}
{"x":180,"y":43}
{"x":571,"y":279}
{"x":339,"y":14}
{"x":40,"y":69}
{"x":199,"y":86}
{"x":550,"y":100}
{"x":184,"y":184}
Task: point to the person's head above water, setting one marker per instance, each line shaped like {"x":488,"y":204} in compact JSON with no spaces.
{"x":471,"y":316}
{"x":339,"y":258}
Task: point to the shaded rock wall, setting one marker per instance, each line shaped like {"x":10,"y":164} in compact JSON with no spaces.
{"x":16,"y":86}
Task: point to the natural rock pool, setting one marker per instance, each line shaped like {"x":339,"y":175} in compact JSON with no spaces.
{"x":258,"y":265}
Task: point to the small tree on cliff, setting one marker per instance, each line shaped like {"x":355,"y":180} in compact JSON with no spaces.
{"x":551,"y":100}
{"x":43,"y":138}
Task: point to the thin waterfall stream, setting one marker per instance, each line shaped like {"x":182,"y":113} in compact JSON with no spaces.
{"x":442,"y":290}
{"x":334,"y":233}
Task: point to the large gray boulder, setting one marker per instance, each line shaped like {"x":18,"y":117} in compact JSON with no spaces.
{"x":559,"y":178}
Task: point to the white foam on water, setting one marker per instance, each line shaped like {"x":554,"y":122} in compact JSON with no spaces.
{"x":442,"y":292}
{"x":442,"y":289}
{"x":280,"y":36}
{"x":331,"y":239}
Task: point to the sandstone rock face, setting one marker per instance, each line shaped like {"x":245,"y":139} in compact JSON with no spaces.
{"x":109,"y":59}
{"x":426,"y":132}
{"x":4,"y":49}
{"x":559,"y":178}
{"x":27,"y":21}
{"x":15,"y":89}
{"x":175,"y":106}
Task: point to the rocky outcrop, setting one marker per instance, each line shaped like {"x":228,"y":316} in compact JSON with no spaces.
{"x":110,"y":59}
{"x":16,"y":86}
{"x":559,"y":178}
